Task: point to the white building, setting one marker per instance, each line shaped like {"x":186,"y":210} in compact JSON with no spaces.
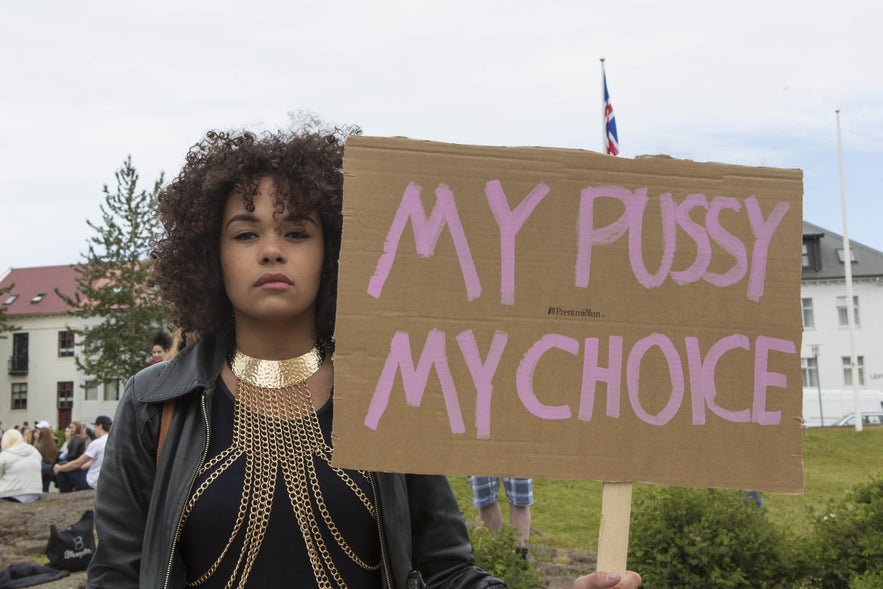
{"x":41,"y":381}
{"x":826,"y":351}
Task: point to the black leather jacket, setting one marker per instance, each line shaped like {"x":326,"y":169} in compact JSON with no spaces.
{"x":139,"y":502}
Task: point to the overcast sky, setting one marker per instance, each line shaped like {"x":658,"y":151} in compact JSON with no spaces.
{"x":83,"y":84}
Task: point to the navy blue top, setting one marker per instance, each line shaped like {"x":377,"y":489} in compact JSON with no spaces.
{"x":283,"y":560}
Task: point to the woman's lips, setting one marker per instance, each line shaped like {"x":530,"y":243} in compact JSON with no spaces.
{"x":271,"y":281}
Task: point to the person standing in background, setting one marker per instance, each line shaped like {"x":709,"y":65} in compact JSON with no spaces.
{"x":161,"y":345}
{"x":27,"y":433}
{"x":519,"y":494}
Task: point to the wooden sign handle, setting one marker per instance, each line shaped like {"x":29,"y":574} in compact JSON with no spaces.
{"x":613,"y":540}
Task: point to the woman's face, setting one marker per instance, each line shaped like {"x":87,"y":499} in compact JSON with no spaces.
{"x":271,"y":260}
{"x":157,"y":353}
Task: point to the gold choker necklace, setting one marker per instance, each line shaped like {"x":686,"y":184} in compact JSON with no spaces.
{"x":276,"y":429}
{"x":275,"y":374}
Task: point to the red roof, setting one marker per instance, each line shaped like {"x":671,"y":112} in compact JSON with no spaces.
{"x":30,"y":283}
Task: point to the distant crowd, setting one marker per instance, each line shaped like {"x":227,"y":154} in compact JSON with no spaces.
{"x":37,"y":460}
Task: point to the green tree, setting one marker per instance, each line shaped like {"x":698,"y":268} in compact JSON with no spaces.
{"x":6,"y":324}
{"x":119,"y":313}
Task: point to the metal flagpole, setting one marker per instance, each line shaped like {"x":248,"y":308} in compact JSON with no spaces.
{"x":847,"y":265}
{"x":603,"y":110}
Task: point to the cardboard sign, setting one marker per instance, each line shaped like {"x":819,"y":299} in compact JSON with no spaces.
{"x":564,"y":314}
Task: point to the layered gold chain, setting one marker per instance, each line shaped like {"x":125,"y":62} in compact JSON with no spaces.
{"x":276,"y":428}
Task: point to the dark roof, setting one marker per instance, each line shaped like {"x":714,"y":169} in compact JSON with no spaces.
{"x":30,"y":283}
{"x":867,"y":262}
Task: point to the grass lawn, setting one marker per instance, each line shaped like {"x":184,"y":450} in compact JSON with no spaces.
{"x":566,"y":513}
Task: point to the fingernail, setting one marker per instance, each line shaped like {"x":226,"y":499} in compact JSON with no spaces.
{"x":612,"y":577}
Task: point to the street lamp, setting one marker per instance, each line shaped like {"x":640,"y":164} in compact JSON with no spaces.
{"x":815,"y":355}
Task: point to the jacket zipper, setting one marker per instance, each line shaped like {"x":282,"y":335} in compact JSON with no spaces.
{"x":189,"y":490}
{"x":383,"y":558}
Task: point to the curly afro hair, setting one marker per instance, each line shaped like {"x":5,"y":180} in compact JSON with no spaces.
{"x":306,"y":161}
{"x":162,"y":339}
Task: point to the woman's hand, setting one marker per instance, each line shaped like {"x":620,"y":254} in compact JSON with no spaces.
{"x":601,"y":580}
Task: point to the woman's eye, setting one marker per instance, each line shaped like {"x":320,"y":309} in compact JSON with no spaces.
{"x":245,"y":235}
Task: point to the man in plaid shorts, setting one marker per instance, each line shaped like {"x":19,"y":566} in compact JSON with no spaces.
{"x":519,"y":493}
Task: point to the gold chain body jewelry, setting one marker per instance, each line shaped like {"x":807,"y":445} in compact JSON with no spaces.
{"x":276,"y":428}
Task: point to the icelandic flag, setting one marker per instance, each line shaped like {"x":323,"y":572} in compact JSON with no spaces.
{"x":611,"y":139}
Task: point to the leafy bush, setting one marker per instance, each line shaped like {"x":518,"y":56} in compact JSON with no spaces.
{"x":497,"y":553}
{"x":696,"y":538}
{"x":867,"y":581}
{"x":848,"y":539}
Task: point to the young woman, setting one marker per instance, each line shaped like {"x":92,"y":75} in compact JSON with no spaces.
{"x":162,"y":343}
{"x":75,"y":442}
{"x":242,"y":493}
{"x":45,"y":443}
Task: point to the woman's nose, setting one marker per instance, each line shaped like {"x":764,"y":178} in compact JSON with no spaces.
{"x":272,"y":251}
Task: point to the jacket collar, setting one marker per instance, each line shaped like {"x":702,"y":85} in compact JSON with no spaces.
{"x":195,"y":367}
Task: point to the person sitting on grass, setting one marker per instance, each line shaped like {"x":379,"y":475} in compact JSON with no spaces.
{"x":82,"y":473}
{"x":20,"y":478}
{"x":44,"y":442}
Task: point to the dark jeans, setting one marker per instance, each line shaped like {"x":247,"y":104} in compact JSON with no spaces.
{"x":74,"y":480}
{"x":48,"y":475}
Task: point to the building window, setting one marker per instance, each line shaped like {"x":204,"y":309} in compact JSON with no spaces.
{"x":808,"y":319}
{"x":65,"y":344}
{"x":841,"y":311}
{"x":810,"y":369}
{"x":847,"y":370}
{"x":65,"y":394}
{"x":38,"y":298}
{"x":19,"y":395}
{"x":112,"y":390}
{"x":842,"y":258}
{"x":10,"y":299}
{"x":91,"y":391}
{"x":18,"y":364}
{"x":810,"y":254}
